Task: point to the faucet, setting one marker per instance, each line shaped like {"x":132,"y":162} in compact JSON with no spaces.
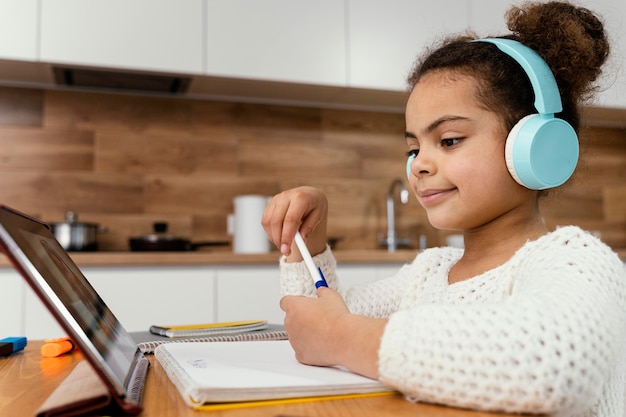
{"x":392,"y":240}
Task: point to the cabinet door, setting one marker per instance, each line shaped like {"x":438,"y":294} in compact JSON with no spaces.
{"x":23,"y":314}
{"x":486,"y":17}
{"x":138,"y":296}
{"x":38,"y":321}
{"x":142,"y":296}
{"x":386,"y":37}
{"x":356,"y":274}
{"x":249,"y":293}
{"x":350,"y":275}
{"x":159,"y":35}
{"x":18,"y":29}
{"x":11,"y":303}
{"x":298,"y":41}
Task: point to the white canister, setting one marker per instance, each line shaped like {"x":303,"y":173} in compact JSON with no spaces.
{"x":245,"y":224}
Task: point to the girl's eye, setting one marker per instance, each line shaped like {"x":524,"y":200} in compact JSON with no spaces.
{"x":450,"y":142}
{"x":413,"y":152}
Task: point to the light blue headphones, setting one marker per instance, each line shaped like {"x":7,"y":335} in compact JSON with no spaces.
{"x":541,"y":150}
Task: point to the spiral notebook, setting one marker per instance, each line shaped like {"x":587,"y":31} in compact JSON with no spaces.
{"x":220,"y":375}
{"x":147,"y":342}
{"x":209,"y":329}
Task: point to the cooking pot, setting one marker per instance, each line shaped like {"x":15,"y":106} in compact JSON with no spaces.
{"x":74,"y":235}
{"x":160,"y":240}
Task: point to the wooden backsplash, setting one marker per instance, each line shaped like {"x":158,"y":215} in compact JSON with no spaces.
{"x":127,"y":161}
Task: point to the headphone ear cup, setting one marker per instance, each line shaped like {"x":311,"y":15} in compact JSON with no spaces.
{"x":409,"y":161}
{"x":541,"y":151}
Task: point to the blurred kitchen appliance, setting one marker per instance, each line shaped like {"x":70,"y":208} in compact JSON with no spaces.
{"x":161,"y":241}
{"x":74,"y":235}
{"x":245,"y":224}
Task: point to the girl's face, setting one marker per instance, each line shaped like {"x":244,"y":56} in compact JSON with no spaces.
{"x":459,"y":174}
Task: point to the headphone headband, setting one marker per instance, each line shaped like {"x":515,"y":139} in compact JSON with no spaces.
{"x":547,"y":96}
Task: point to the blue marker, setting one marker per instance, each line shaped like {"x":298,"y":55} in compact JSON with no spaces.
{"x":316,"y":273}
{"x":11,"y":345}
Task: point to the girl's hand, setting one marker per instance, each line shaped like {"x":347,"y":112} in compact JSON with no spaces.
{"x":310,"y":323}
{"x":323,"y":332}
{"x":302,"y":208}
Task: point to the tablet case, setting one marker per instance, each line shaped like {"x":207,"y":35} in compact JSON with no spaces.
{"x":82,"y":392}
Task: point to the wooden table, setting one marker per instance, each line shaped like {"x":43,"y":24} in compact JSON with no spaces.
{"x":26,"y":380}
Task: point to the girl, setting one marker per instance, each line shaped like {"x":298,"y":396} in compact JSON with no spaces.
{"x":523,"y":319}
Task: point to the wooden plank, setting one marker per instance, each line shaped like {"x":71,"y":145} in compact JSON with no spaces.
{"x":604,"y":117}
{"x":615,"y":203}
{"x":362,"y":121}
{"x":46,"y":150}
{"x":54,"y":193}
{"x":285,"y":158}
{"x":107,"y":111}
{"x":214,"y":153}
{"x":202,"y":196}
{"x":21,"y":106}
{"x":262,"y":117}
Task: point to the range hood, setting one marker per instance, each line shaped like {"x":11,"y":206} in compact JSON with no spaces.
{"x":50,"y":76}
{"x":121,"y":81}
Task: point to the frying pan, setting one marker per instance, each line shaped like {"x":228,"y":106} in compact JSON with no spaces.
{"x":161,"y":241}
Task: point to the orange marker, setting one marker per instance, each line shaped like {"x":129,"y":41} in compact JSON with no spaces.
{"x":57,"y":347}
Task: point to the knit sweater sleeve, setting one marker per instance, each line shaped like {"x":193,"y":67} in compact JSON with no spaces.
{"x":378,"y":299}
{"x":549,"y":346}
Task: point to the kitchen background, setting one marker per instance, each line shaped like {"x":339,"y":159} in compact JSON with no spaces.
{"x":126,"y":161}
{"x":254,"y":97}
{"x":204,"y":100}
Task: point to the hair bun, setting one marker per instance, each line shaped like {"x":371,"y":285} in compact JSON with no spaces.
{"x":570,"y":39}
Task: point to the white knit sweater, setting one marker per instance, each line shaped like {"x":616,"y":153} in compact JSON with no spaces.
{"x":543,"y":333}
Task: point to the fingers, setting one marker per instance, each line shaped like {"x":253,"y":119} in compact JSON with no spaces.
{"x":281,"y":219}
{"x":300,"y":208}
{"x":272,"y":219}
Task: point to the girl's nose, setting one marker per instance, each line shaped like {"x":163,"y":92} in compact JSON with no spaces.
{"x":418,"y":165}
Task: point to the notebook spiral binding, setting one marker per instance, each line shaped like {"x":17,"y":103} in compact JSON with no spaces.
{"x":138,"y":380}
{"x":148,"y":347}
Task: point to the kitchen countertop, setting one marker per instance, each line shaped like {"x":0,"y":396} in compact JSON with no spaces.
{"x":224,"y":257}
{"x":221,"y":257}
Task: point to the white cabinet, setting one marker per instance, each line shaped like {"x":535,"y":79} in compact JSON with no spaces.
{"x":138,"y":296}
{"x":297,"y":41}
{"x":248,"y":293}
{"x":356,"y":274}
{"x":38,"y":323}
{"x":18,"y":29}
{"x":486,"y":17}
{"x":159,"y":35}
{"x":351,"y":44}
{"x":23,"y":314}
{"x":385,"y":38}
{"x":142,"y":296}
{"x":12,"y":298}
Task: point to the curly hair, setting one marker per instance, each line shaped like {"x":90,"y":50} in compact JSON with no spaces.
{"x":570,"y":39}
